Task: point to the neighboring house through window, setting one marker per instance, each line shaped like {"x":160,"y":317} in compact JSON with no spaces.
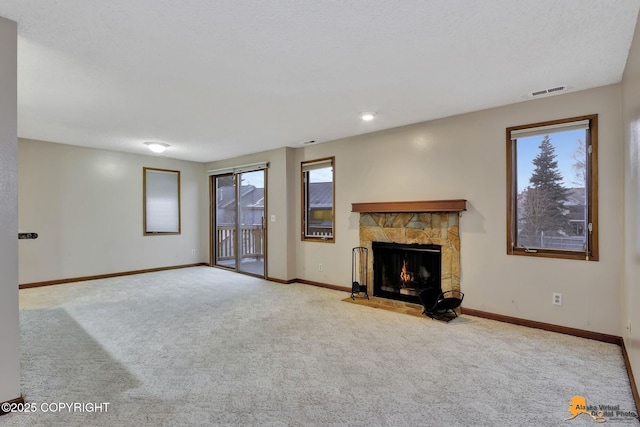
{"x":318,"y":200}
{"x":251,"y":201}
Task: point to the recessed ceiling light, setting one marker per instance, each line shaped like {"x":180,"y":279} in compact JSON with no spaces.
{"x":367,"y":116}
{"x":157,"y":147}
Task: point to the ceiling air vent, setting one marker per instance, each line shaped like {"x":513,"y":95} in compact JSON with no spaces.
{"x":549,"y":91}
{"x":556,"y":89}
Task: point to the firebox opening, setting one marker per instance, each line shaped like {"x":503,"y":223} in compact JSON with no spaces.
{"x":402,"y":271}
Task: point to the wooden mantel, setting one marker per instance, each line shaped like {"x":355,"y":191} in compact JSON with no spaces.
{"x":455,"y":205}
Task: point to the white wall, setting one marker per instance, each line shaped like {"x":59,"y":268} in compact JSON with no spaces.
{"x":86,"y":206}
{"x":9,"y":330}
{"x":465,"y":157}
{"x":293,"y":211}
{"x":631,"y":295}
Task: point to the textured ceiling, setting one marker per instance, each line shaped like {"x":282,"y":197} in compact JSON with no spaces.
{"x":218,"y":79}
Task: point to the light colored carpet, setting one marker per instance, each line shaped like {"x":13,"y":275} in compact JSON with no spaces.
{"x":203,"y":346}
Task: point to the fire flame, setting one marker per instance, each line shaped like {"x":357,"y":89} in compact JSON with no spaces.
{"x":404,"y":276}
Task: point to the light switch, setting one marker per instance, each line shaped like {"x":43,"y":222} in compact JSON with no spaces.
{"x":273,"y":218}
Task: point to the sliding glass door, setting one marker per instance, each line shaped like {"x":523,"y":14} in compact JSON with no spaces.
{"x":226,"y":215}
{"x":239,"y":236}
{"x":251,"y":223}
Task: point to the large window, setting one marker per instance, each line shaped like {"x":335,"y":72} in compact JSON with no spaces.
{"x":552,"y":189}
{"x":318,"y":200}
{"x":161,"y":201}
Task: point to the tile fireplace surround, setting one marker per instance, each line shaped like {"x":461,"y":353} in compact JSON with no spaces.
{"x":426,"y":222}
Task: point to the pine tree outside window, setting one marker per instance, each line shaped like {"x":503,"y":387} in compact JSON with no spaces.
{"x":552,"y":189}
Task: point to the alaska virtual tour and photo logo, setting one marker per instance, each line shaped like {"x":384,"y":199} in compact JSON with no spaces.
{"x":599,"y":413}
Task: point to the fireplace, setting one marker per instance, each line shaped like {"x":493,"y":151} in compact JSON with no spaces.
{"x":429,"y":225}
{"x":402,"y":271}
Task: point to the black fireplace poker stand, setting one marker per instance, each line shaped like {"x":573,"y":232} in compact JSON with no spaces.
{"x":359,"y":271}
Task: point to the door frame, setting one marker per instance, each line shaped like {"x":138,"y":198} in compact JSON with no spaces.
{"x":213,"y":221}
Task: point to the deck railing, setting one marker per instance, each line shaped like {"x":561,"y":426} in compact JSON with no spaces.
{"x":251,"y":241}
{"x":577,"y":243}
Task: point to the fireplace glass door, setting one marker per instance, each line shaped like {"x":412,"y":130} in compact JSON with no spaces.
{"x":401,"y":272}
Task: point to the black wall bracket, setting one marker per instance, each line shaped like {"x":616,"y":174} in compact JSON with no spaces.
{"x":22,"y":236}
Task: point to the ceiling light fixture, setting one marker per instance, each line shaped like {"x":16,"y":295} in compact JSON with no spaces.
{"x":157,"y":147}
{"x":367,"y":116}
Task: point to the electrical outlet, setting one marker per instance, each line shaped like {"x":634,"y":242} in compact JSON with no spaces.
{"x":320,"y":266}
{"x":557,"y":298}
{"x":193,"y":251}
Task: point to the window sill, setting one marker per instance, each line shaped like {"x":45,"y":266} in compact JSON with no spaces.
{"x":319,"y":239}
{"x":550,"y":253}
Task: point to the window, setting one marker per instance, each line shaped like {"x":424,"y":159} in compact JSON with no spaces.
{"x":552,"y":189}
{"x":318,"y":200}
{"x":161,"y":201}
